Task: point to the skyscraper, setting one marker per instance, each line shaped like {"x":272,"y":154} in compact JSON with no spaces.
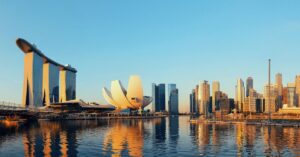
{"x":269,"y":99}
{"x":215,"y":88}
{"x":159,"y":98}
{"x":249,"y":85}
{"x":240,"y":94}
{"x":45,"y":81}
{"x":297,"y":96}
{"x":173,"y":99}
{"x":291,"y":95}
{"x":203,"y":96}
{"x":250,"y":101}
{"x":192,"y":102}
{"x":222,"y":102}
{"x":278,"y":91}
{"x":278,"y":83}
{"x":196,"y":97}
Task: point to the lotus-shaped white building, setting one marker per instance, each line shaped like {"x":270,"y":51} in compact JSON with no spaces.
{"x":132,"y":99}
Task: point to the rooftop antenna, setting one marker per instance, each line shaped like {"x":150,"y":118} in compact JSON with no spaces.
{"x":269,"y":86}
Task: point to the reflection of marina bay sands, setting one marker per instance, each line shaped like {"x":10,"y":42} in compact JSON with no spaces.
{"x":45,"y":81}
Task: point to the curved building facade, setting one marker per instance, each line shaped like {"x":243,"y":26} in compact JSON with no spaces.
{"x":45,"y":81}
{"x":133,"y":98}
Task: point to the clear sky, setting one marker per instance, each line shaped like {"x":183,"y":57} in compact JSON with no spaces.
{"x":163,"y":41}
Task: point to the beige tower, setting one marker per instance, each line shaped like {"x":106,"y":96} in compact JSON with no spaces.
{"x":67,"y":85}
{"x":278,"y":83}
{"x":215,"y":88}
{"x":250,"y":101}
{"x":204,"y":96}
{"x":297,"y":84}
{"x":50,"y":83}
{"x":269,"y":98}
{"x":33,"y":76}
{"x":240,"y":94}
{"x":41,"y":75}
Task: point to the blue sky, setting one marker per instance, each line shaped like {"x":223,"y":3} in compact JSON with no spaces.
{"x":169,"y":41}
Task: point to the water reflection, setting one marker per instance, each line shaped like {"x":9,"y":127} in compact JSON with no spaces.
{"x":246,"y":140}
{"x":173,"y":136}
{"x":125,"y":136}
{"x":50,"y":139}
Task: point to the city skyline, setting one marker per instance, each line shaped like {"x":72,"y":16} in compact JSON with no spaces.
{"x":193,"y":45}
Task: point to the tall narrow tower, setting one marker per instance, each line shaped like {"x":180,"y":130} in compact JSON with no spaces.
{"x":249,"y":85}
{"x":240,"y":94}
{"x":215,"y":88}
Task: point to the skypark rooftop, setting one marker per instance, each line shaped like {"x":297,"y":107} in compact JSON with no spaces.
{"x":26,"y":47}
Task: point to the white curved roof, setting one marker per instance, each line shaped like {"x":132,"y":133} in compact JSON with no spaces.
{"x":135,"y":93}
{"x":119,"y":94}
{"x":108,"y":97}
{"x":122,"y":99}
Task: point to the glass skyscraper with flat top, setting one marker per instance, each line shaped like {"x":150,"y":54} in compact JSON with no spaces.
{"x":159,"y":97}
{"x":172,"y":99}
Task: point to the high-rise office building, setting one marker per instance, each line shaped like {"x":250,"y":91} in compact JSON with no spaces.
{"x":278,"y":87}
{"x":204,"y":97}
{"x":278,"y":83}
{"x":215,"y":88}
{"x":196,"y":99}
{"x":269,"y":95}
{"x":285,"y":95}
{"x":222,"y":102}
{"x":249,"y":85}
{"x":297,"y":85}
{"x":173,"y":99}
{"x":260,"y":108}
{"x":193,"y":102}
{"x":240,"y":94}
{"x":291,"y":95}
{"x":159,"y":98}
{"x":250,"y":101}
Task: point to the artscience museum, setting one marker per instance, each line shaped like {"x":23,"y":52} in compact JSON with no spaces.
{"x":133,"y":98}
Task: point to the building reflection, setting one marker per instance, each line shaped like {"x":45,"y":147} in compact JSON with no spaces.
{"x":239,"y":133}
{"x":173,"y":133}
{"x":159,"y":135}
{"x":49,"y":139}
{"x":132,"y":137}
{"x":200,"y":133}
{"x":125,"y":136}
{"x":174,"y":129}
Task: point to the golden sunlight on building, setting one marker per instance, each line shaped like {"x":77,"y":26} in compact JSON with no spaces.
{"x":120,"y":135}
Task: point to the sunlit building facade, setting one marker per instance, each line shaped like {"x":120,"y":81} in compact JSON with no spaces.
{"x":291,"y":95}
{"x":297,"y":88}
{"x":204,"y":97}
{"x":67,"y":85}
{"x":41,"y":78}
{"x":215,"y":88}
{"x":132,"y":98}
{"x":240,"y":94}
{"x":269,"y":96}
{"x":250,"y":101}
{"x":50,"y":83}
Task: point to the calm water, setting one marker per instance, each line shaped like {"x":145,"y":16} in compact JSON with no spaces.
{"x":173,"y":136}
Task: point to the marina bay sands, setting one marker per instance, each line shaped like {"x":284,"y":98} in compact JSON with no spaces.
{"x":45,"y":81}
